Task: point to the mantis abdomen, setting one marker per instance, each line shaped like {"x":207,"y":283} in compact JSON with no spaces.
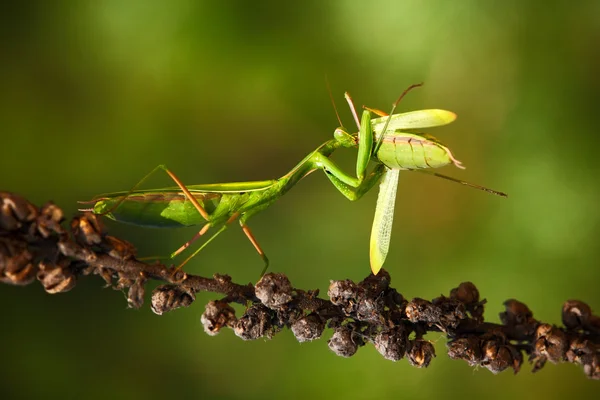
{"x":156,"y":209}
{"x":401,"y":150}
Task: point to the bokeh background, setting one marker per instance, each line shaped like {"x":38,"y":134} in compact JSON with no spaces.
{"x":93,"y":95}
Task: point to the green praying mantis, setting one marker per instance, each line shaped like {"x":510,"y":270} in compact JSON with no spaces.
{"x":387,"y":140}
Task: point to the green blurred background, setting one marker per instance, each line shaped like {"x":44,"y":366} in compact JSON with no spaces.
{"x":94,"y":94}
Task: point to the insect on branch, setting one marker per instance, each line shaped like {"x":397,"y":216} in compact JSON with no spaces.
{"x":34,"y":245}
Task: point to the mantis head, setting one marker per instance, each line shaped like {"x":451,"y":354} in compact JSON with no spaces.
{"x":344,"y":138}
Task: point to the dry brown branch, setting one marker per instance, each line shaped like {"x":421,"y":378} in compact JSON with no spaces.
{"x":34,"y":245}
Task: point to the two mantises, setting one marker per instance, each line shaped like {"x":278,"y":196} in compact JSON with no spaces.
{"x":388,"y":140}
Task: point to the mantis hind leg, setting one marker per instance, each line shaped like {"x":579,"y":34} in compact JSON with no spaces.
{"x":189,"y":242}
{"x":210,"y":239}
{"x":250,"y":235}
{"x":259,"y":250}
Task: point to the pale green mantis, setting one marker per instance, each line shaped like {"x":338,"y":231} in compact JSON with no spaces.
{"x":387,"y":141}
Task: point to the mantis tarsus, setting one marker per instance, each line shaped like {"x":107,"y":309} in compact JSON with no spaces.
{"x":386,"y":140}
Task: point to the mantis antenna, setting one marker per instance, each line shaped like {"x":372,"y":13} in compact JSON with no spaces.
{"x":408,"y":89}
{"x":333,"y":101}
{"x":474,"y":186}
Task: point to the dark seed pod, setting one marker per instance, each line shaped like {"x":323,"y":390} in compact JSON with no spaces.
{"x":420,"y":353}
{"x":254,"y":324}
{"x":49,"y":220}
{"x":274,"y":290}
{"x":16,"y":264}
{"x":370,"y":310}
{"x":496,"y":356}
{"x":118,"y":248}
{"x":344,"y":341}
{"x":467,"y":349}
{"x":392,"y":343}
{"x":106,"y":274}
{"x":420,"y":310}
{"x":376,"y":284}
{"x":87,"y":229}
{"x":576,"y":314}
{"x":169,"y":297}
{"x":217,"y":314}
{"x":591,"y":366}
{"x":519,"y":316}
{"x":449,"y":312}
{"x":516,"y":313}
{"x":466,"y":293}
{"x":22,"y":277}
{"x":580,"y":351}
{"x":136,"y":292}
{"x":308,"y":328}
{"x":550,"y":343}
{"x":345,"y":294}
{"x":15,"y":211}
{"x":56,"y":278}
{"x":123,"y":282}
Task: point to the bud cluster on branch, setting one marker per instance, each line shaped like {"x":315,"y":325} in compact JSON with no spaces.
{"x":34,"y":245}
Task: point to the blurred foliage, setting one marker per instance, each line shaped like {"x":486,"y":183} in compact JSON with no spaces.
{"x":93,"y":95}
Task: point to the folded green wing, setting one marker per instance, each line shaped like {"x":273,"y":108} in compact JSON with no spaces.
{"x":413,"y":120}
{"x":384,"y":217}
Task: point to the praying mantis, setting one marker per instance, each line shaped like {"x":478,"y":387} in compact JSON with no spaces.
{"x":387,"y":141}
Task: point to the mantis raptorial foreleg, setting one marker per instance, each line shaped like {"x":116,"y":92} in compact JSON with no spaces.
{"x":351,"y":187}
{"x":365,"y":145}
{"x":354,"y":193}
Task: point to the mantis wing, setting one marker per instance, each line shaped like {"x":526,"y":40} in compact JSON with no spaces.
{"x":414,"y":120}
{"x":384,"y":216}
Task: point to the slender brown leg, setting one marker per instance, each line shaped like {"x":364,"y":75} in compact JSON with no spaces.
{"x":192,"y":240}
{"x":198,"y":207}
{"x":259,"y":250}
{"x":187,"y":193}
{"x":210,"y":239}
{"x":352,"y":108}
{"x":376,"y":111}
